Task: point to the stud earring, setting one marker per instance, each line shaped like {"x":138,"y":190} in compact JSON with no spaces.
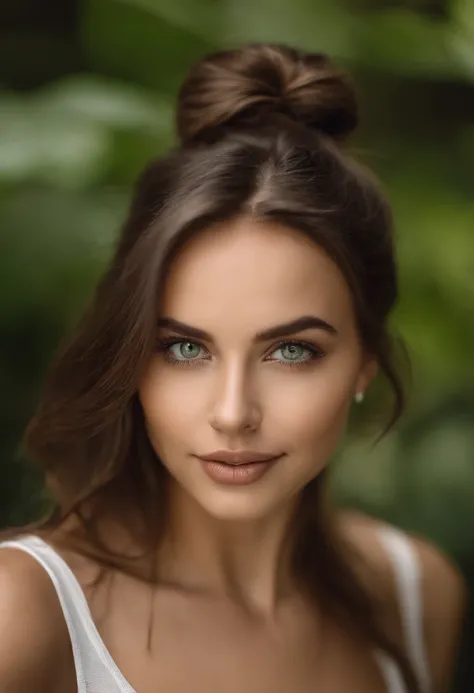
{"x":359,"y":397}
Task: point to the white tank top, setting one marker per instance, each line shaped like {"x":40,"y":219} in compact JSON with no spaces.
{"x":97,"y":672}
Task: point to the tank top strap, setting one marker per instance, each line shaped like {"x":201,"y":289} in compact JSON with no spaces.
{"x":407,"y":572}
{"x":95,"y":669}
{"x":391,"y":673}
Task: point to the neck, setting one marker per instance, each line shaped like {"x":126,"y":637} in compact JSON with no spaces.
{"x":247,"y":562}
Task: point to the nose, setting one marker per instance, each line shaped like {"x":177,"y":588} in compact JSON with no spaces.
{"x":235,"y":409}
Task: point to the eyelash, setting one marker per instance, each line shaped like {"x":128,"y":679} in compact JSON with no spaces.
{"x":315,"y":352}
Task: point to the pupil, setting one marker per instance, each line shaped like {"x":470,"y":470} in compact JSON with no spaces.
{"x":293,"y":350}
{"x":188,"y":348}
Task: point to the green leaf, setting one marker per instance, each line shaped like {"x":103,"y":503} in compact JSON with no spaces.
{"x":408,"y":44}
{"x":39,"y":142}
{"x":110,"y":103}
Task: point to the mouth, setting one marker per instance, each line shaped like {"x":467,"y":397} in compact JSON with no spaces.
{"x":239,"y":457}
{"x":229,"y":468}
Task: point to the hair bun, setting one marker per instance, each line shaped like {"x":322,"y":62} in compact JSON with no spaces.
{"x":244,"y":86}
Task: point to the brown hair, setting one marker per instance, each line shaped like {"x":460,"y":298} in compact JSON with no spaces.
{"x":261,"y":131}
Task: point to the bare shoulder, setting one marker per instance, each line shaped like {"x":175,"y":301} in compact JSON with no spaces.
{"x":442,"y":590}
{"x":444,"y":602}
{"x":35,"y":653}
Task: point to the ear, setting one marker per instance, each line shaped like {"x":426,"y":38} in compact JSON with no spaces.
{"x":367,"y":373}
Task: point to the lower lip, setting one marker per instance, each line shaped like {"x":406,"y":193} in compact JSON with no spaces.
{"x":236,"y":475}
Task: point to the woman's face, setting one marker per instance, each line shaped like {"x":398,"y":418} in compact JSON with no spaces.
{"x":256,"y":353}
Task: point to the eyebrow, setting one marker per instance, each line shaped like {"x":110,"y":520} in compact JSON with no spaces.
{"x":306,"y":322}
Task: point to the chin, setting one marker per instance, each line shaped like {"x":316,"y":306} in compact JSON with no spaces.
{"x":242,"y":505}
{"x":238,"y":512}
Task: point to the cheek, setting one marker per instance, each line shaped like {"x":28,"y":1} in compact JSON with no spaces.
{"x":313,"y":412}
{"x":315,"y":420}
{"x":168,"y":404}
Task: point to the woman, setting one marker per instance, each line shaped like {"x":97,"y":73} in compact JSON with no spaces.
{"x":186,"y":426}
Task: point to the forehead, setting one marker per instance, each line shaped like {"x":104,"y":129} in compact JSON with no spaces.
{"x":254,"y":274}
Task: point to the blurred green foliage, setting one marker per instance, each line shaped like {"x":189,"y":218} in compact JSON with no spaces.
{"x":88,"y":99}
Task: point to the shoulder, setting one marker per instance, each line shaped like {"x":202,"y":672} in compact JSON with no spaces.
{"x":443,"y":593}
{"x":35,"y":652}
{"x":444,"y":599}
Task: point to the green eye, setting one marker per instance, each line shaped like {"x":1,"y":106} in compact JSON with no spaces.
{"x":297,"y":353}
{"x":185,"y":350}
{"x":292,"y":352}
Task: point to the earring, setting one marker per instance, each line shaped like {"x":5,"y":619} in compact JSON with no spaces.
{"x":359,"y":397}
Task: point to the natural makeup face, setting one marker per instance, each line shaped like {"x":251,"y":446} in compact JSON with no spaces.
{"x":257,"y":352}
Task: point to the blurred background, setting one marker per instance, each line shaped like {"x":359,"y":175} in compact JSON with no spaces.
{"x":86,"y":99}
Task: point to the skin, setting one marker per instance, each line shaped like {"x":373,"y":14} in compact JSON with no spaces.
{"x":226,"y":598}
{"x":240,"y":393}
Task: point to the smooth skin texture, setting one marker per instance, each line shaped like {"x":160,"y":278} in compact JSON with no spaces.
{"x":227,"y":615}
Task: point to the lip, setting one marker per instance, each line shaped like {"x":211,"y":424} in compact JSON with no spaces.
{"x":238,"y":457}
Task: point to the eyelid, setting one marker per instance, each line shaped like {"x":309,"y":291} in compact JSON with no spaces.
{"x":173,"y":338}
{"x":171,"y":341}
{"x":310,"y":346}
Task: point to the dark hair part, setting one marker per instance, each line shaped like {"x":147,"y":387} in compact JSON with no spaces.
{"x":261,"y":132}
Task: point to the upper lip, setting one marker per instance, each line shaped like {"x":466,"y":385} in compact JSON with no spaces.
{"x":238,"y":456}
